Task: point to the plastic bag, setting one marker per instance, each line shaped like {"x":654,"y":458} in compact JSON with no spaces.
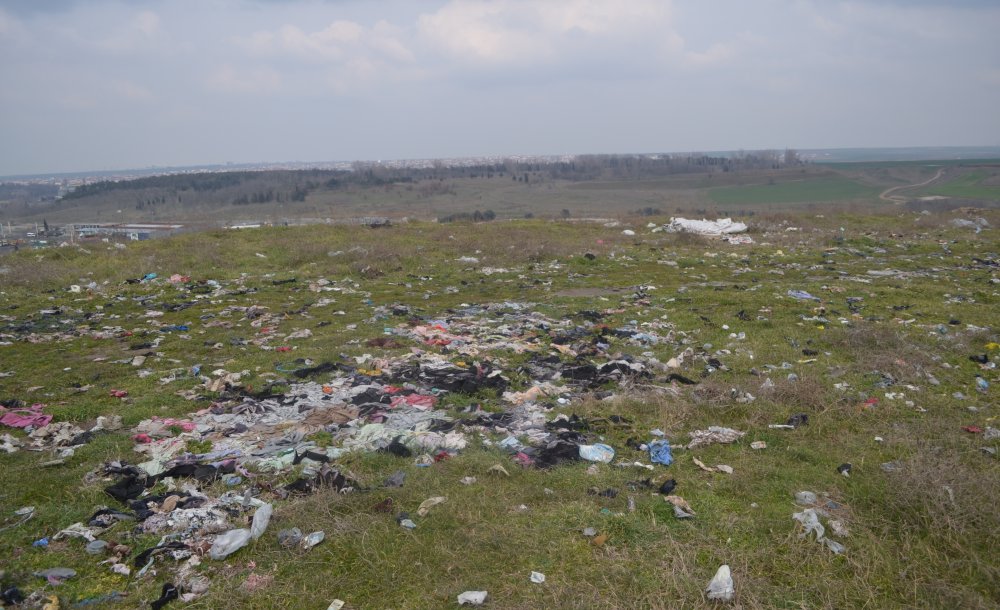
{"x":659,"y":452}
{"x":473,"y":598}
{"x":721,"y":587}
{"x":260,"y":520}
{"x":810,"y":521}
{"x":228,"y":543}
{"x":598,"y":452}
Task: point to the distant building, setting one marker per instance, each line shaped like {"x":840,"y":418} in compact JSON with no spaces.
{"x":134,"y":232}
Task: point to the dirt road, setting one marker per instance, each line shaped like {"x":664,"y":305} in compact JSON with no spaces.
{"x":885,"y":195}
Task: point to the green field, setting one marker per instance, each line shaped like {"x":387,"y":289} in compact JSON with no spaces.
{"x":833,"y":188}
{"x":967,"y":186}
{"x":880,"y":366}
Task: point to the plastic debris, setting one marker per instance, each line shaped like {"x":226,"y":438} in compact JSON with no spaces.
{"x":472,"y":598}
{"x":598,"y":452}
{"x":721,"y":587}
{"x":260,"y":520}
{"x":537,"y":578}
{"x":228,"y":543}
{"x":811,"y":523}
{"x":429,"y":503}
{"x":806,"y":498}
{"x":313,"y":539}
{"x":659,"y":452}
{"x":722,"y":226}
{"x":290,"y":537}
{"x":56,"y":576}
{"x":714,"y":434}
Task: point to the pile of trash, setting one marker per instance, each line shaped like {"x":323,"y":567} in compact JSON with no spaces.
{"x":714,"y":228}
{"x":419,"y":405}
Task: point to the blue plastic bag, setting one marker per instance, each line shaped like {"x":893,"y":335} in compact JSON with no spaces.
{"x":659,"y":452}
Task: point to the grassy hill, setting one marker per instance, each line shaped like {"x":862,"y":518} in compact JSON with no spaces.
{"x":879,"y":363}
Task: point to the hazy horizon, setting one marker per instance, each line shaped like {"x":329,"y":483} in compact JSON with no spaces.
{"x":108,"y":85}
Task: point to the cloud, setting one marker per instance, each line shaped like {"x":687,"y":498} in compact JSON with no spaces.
{"x":11,"y":29}
{"x":508,"y":31}
{"x":715,"y":54}
{"x":485,"y":76}
{"x":340,"y":41}
{"x":139,"y":31}
{"x":229,"y":79}
{"x":132,"y":92}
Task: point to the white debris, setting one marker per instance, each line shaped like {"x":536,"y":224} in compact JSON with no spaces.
{"x":722,"y":226}
{"x":722,"y":586}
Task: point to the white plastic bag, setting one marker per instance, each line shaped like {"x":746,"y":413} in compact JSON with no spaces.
{"x":473,"y":598}
{"x":228,"y":543}
{"x":260,"y":520}
{"x":721,"y":587}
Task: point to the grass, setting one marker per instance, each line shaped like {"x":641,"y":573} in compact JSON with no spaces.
{"x":832,"y":188}
{"x":924,"y":536}
{"x":967,"y":185}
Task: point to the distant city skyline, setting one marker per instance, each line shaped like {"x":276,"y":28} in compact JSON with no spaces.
{"x":115,"y":85}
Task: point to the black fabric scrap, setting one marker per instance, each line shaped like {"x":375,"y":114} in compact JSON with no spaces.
{"x":143,"y":558}
{"x":126,"y":489}
{"x":398,"y":449}
{"x":11,"y":595}
{"x":167,"y":595}
{"x":797,"y":420}
{"x":323,"y":367}
{"x":681,"y":379}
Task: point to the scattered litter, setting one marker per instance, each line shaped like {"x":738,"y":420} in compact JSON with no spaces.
{"x":473,"y":598}
{"x":167,"y":594}
{"x":597,"y":453}
{"x":659,"y":452}
{"x":806,"y":498}
{"x":802,"y":295}
{"x":228,"y":543}
{"x":721,"y":587}
{"x":722,"y":226}
{"x":290,"y":537}
{"x":714,"y":434}
{"x":682,"y":510}
{"x":56,"y":576}
{"x":313,"y":539}
{"x":810,"y":521}
{"x":429,"y":503}
{"x":718,"y":468}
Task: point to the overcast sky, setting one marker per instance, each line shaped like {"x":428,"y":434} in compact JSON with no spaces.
{"x":105,"y":84}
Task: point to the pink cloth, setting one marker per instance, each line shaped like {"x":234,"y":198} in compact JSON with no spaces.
{"x":418,"y":401}
{"x":22,"y":418}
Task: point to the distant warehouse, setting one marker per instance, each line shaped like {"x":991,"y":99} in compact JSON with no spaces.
{"x":134,"y":232}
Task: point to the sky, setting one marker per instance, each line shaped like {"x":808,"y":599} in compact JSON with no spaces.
{"x":106,"y":84}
